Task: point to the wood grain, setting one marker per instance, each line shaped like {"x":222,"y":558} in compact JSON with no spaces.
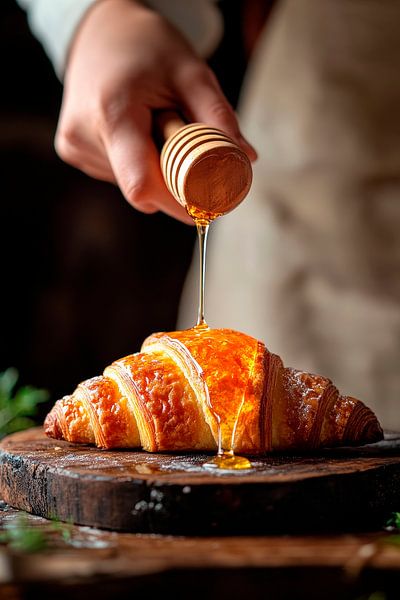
{"x":346,"y":489}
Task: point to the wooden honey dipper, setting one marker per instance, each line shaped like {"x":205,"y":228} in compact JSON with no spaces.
{"x":203,"y":168}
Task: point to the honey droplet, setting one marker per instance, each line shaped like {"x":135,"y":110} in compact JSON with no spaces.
{"x":200,"y":216}
{"x":228,"y":461}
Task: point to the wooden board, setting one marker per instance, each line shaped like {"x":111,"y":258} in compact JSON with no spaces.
{"x":343,"y":489}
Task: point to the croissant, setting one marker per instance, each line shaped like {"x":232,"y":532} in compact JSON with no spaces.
{"x":203,"y":389}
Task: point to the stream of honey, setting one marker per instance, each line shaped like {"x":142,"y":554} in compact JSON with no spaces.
{"x":226,"y":458}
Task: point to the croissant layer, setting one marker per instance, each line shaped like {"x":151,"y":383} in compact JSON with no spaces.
{"x":203,"y":389}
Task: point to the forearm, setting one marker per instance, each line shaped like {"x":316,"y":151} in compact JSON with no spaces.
{"x":54,"y":23}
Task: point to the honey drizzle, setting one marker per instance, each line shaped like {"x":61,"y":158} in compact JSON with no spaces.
{"x":225,"y":459}
{"x":202,"y":233}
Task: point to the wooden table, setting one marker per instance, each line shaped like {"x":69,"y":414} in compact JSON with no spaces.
{"x":114,"y":565}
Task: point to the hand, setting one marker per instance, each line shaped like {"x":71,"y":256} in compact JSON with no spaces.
{"x":127,"y":61}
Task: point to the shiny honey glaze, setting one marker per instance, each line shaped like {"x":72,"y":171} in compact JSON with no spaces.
{"x":226,"y":458}
{"x":228,"y":461}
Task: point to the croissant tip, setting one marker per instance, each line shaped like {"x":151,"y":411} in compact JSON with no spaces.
{"x":52,"y":426}
{"x":373,"y":433}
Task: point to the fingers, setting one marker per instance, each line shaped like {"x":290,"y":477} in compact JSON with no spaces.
{"x":115,"y":144}
{"x":125,"y":155}
{"x":135,"y":163}
{"x":79,"y":153}
{"x":205,"y":102}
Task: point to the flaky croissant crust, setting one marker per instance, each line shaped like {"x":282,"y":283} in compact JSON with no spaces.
{"x":184,"y":389}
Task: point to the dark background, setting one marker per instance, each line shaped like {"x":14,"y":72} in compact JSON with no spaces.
{"x":85,"y":277}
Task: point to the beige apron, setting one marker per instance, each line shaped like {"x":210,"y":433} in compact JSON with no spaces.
{"x":310,"y":262}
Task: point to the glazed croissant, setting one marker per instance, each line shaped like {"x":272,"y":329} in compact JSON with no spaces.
{"x":203,"y":388}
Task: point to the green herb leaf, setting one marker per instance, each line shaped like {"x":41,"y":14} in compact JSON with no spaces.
{"x":16,"y":408}
{"x":8,"y":380}
{"x":65,"y":529}
{"x":19,"y":536}
{"x":394,"y":520}
{"x":18,"y":424}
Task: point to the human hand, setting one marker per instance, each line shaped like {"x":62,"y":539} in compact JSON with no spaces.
{"x":127,"y":61}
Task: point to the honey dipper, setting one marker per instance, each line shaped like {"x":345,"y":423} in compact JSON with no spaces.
{"x":205,"y":170}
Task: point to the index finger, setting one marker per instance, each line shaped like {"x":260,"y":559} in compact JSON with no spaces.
{"x":135,"y":161}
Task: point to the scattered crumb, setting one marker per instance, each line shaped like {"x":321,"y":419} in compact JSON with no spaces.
{"x":143,"y":469}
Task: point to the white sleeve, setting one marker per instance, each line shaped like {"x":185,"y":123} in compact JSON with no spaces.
{"x":54,"y":22}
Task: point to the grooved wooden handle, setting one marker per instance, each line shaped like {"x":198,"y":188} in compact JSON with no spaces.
{"x":203,"y":168}
{"x":168,"y":123}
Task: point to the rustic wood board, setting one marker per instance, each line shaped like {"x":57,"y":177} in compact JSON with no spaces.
{"x":343,"y":489}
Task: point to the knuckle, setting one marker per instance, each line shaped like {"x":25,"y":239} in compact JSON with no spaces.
{"x":69,"y":136}
{"x":109,"y":108}
{"x":137,"y":192}
{"x":194,"y":73}
{"x":222,"y":111}
{"x":68,"y":142}
{"x":112,"y":109}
